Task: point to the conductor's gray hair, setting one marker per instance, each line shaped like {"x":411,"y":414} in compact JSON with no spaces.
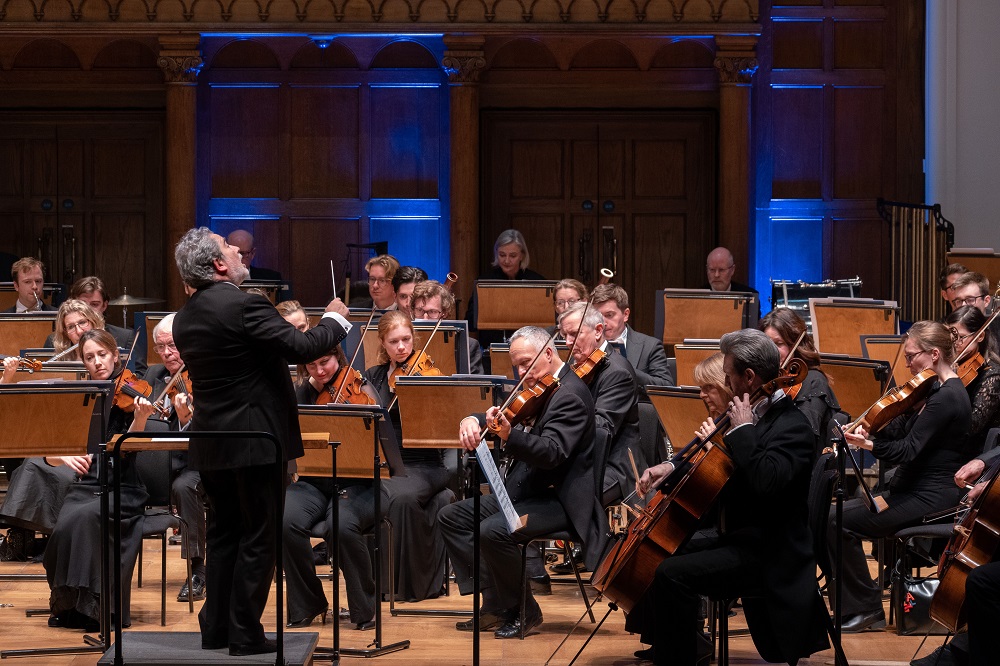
{"x":195,"y":253}
{"x":751,"y":348}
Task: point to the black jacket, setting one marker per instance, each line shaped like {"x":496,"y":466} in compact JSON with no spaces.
{"x":616,"y":404}
{"x":237,"y":349}
{"x":645,"y":354}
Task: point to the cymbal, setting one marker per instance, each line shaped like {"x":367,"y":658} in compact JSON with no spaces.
{"x":129,"y":299}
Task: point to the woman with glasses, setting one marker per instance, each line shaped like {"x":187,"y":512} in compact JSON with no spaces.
{"x":73,"y":320}
{"x":984,"y":387}
{"x":926,"y":446}
{"x":566,"y":293}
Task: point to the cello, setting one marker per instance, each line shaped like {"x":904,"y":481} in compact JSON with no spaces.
{"x":974,"y":543}
{"x":701,"y":470}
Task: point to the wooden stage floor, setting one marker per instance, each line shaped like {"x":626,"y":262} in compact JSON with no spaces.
{"x":434,"y":641}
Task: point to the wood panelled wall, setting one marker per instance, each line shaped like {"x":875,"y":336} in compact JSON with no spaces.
{"x":311,"y":149}
{"x":839,"y":123}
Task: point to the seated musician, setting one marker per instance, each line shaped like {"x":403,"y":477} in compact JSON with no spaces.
{"x":644,"y":352}
{"x":91,"y":291}
{"x":185,"y":486}
{"x":946,"y":280}
{"x":294,"y":314}
{"x":974,"y":289}
{"x":928,"y":446}
{"x":813,"y":397}
{"x":403,"y":283}
{"x":566,"y":293}
{"x":381,"y":270}
{"x":712,"y":388}
{"x":550,"y":479}
{"x":431,"y":301}
{"x":417,"y":546}
{"x":73,"y":555}
{"x":983,"y":384}
{"x":764,"y":555}
{"x":28,"y":275}
{"x":720,"y":266}
{"x":73,"y":320}
{"x":310,"y":499}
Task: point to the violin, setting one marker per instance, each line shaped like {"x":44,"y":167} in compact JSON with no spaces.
{"x":968,"y":369}
{"x":28,"y":364}
{"x":180,"y":385}
{"x":348,"y":383}
{"x":527,"y":404}
{"x":898,"y":400}
{"x":128,"y":387}
{"x":418,"y":364}
{"x":588,"y":369}
{"x":701,"y":470}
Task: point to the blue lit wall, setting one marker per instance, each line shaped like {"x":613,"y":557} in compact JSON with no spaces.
{"x":785,"y":248}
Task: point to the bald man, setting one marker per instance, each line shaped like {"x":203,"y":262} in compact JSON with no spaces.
{"x":719,"y":267}
{"x":243,"y":239}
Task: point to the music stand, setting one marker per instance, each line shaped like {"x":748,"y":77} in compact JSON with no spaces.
{"x":79,"y":427}
{"x":500,"y":358}
{"x":505,"y":305}
{"x":887,"y":348}
{"x":700,"y":314}
{"x":690,"y":353}
{"x":837,"y":322}
{"x":364,"y":434}
{"x":20,"y":331}
{"x":680,"y":409}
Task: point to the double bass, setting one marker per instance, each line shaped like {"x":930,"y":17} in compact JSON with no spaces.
{"x":701,"y":469}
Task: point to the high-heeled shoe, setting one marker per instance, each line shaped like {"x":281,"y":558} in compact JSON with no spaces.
{"x":308,"y":620}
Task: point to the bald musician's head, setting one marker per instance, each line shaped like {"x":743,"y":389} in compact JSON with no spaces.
{"x":242,"y":239}
{"x":524,"y":347}
{"x":720,"y":267}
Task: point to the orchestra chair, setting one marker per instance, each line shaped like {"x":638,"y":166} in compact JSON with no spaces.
{"x":154,"y":471}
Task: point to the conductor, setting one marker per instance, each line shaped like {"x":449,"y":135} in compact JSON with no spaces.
{"x":237,"y":348}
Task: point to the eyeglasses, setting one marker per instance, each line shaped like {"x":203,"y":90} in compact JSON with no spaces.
{"x":909,"y":357}
{"x":567,"y":302}
{"x":378,"y":281}
{"x":971,"y":300}
{"x":78,"y":326}
{"x":720,"y":271}
{"x":167,"y":347}
{"x":427,"y":314}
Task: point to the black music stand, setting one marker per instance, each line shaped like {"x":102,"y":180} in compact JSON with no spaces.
{"x":80,"y":428}
{"x":363,"y":434}
{"x":430,"y":409}
{"x":169,"y":441}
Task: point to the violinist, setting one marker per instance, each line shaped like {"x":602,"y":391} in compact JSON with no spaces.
{"x":982,"y":360}
{"x":551,"y":479}
{"x":764,"y":555}
{"x":418,"y":549}
{"x":185,"y":485}
{"x":929,"y":444}
{"x":72,"y":558}
{"x":813,"y":397}
{"x":431,"y":301}
{"x":310,"y":500}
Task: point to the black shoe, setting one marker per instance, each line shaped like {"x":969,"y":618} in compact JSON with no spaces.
{"x":213,"y":645}
{"x":487,"y":622}
{"x":365,"y":626}
{"x":646,"y":654}
{"x":267,"y":646}
{"x":576,"y":561}
{"x":307,"y":620}
{"x":863,"y":621}
{"x":540,"y":585}
{"x":943,"y":656}
{"x":198,"y":583}
{"x":512,"y":628}
{"x":14,"y":546}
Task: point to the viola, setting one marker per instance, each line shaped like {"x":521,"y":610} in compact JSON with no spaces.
{"x":418,"y":364}
{"x":28,"y":364}
{"x":701,"y":470}
{"x":345,"y":388}
{"x":128,"y":387}
{"x":973,"y":544}
{"x":588,"y":369}
{"x":527,"y":404}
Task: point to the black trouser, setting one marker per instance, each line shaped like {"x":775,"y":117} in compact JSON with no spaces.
{"x":501,"y":556}
{"x":189,"y":495}
{"x":982,"y":605}
{"x":241,"y":553}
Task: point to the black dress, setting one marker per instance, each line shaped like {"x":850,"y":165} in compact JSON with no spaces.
{"x":984,"y":392}
{"x":411,"y":503}
{"x":73,"y":555}
{"x":816,"y":400}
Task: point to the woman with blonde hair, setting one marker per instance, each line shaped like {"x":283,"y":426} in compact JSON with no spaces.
{"x":73,"y":320}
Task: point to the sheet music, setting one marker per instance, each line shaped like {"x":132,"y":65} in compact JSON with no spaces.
{"x":486,"y":463}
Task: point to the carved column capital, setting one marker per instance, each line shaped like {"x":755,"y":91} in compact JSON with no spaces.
{"x":735,"y":69}
{"x":463,"y":59}
{"x":180,"y":58}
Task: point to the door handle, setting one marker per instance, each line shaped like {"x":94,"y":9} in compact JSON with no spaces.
{"x":608,"y":206}
{"x":609,"y":249}
{"x":583,"y":260}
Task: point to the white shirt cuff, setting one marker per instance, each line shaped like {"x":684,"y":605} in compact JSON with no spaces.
{"x":344,"y":324}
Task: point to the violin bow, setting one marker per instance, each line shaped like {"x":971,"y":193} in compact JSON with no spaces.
{"x":343,"y":382}
{"x":173,"y":381}
{"x":978,"y":336}
{"x":416,"y":360}
{"x":791,"y":352}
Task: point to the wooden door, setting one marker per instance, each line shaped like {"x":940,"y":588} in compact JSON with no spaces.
{"x":631,"y":192}
{"x":85,"y":195}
